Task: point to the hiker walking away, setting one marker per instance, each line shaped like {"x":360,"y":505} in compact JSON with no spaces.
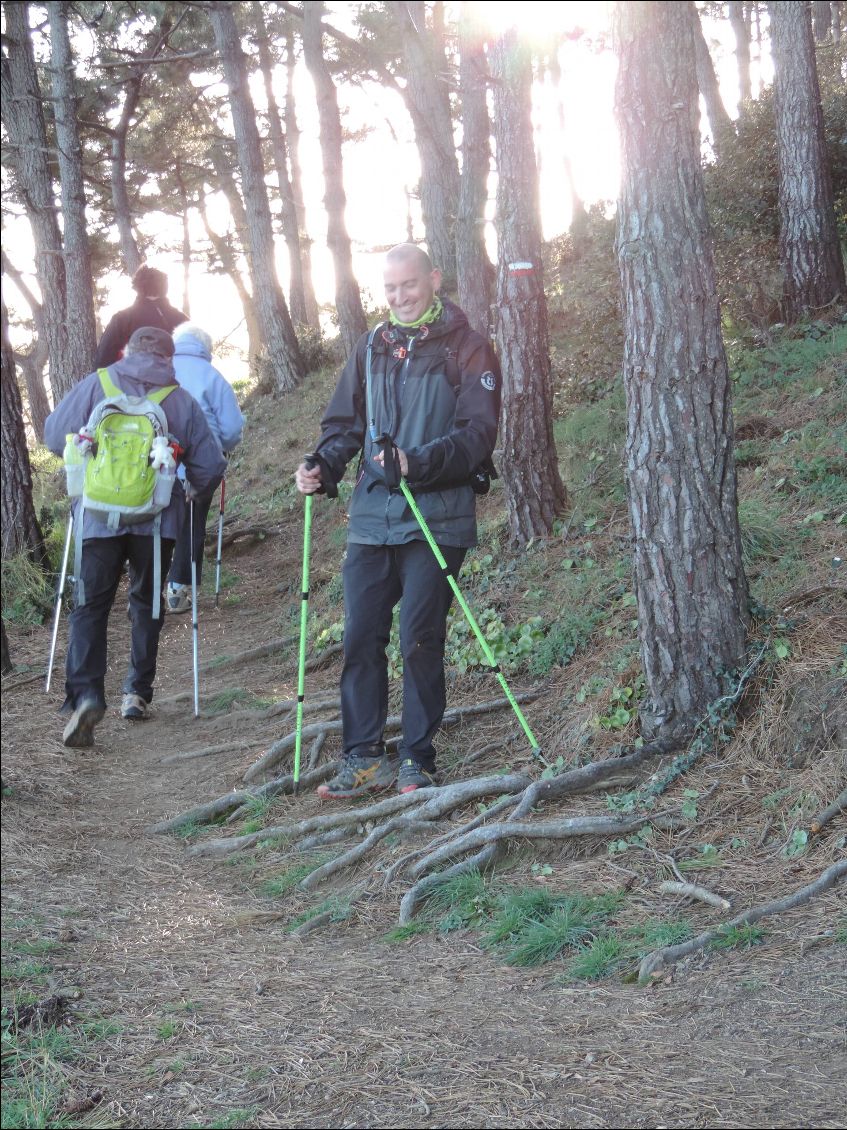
{"x":142,"y":382}
{"x":433,"y":384}
{"x":213,"y":392}
{"x":151,"y":308}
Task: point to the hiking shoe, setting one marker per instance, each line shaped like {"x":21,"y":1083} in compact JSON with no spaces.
{"x":358,"y":776}
{"x":412,"y":776}
{"x":134,"y":708}
{"x":178,"y":598}
{"x":79,"y":732}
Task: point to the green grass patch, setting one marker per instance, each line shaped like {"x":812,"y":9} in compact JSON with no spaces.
{"x":738,"y":937}
{"x":27,"y":591}
{"x":280,"y":885}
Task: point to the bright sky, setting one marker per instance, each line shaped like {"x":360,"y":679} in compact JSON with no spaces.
{"x":379,"y":172}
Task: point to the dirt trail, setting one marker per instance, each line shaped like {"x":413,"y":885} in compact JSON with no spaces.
{"x":219,"y":1015}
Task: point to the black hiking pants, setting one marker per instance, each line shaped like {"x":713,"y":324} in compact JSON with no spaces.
{"x":376,"y":577}
{"x":102,"y":567}
{"x":180,"y":573}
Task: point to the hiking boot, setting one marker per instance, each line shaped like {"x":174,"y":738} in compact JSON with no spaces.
{"x":178,"y":598}
{"x":358,"y":776}
{"x":134,"y":708}
{"x":79,"y":732}
{"x":412,"y":776}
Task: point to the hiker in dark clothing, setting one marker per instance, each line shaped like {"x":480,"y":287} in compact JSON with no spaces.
{"x":433,"y":384}
{"x":151,"y":308}
{"x":146,"y":371}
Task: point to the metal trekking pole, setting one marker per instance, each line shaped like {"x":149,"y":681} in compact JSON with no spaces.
{"x":220,"y":540}
{"x":59,"y":594}
{"x":331,"y":491}
{"x":195,"y":626}
{"x":394,"y":478}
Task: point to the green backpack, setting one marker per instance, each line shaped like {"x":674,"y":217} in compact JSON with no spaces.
{"x":129,"y":468}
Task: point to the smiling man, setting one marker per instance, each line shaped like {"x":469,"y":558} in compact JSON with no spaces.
{"x":432,"y":384}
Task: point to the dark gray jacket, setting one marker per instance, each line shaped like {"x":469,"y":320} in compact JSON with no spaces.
{"x":137,"y":375}
{"x":436,"y":392}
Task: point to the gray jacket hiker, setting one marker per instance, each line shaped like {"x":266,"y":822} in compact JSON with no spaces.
{"x":432,"y":384}
{"x":104,"y":551}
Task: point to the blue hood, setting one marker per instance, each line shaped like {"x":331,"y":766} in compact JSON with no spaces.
{"x":189,"y":346}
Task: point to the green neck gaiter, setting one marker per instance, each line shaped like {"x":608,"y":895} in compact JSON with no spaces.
{"x":431,"y":315}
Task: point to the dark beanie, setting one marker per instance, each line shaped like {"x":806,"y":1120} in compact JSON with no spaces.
{"x":149,"y":339}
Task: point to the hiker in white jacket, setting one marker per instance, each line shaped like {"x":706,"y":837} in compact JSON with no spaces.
{"x":197,"y":375}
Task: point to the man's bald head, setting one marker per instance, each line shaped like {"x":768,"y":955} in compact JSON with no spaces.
{"x":410,"y":282}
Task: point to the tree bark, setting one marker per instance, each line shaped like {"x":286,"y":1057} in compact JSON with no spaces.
{"x":742,"y":50}
{"x":81,"y":327}
{"x":277,"y":330}
{"x":21,"y":532}
{"x":292,"y":134}
{"x":836,"y":20}
{"x":720,"y":123}
{"x":427,"y":97}
{"x":23,"y":117}
{"x":689,"y":579}
{"x":475,"y":274}
{"x":290,"y":228}
{"x":348,"y":302}
{"x":186,"y":236}
{"x":535,"y":494}
{"x":811,"y":258}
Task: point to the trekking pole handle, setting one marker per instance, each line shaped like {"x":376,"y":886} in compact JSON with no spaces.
{"x":390,"y":461}
{"x":328,"y":488}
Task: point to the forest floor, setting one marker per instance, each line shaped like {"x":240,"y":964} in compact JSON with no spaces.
{"x":174,"y":993}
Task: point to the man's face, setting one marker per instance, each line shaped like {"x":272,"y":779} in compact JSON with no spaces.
{"x":409,"y":289}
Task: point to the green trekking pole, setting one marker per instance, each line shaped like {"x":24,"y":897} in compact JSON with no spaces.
{"x":394,"y":478}
{"x":311,"y":461}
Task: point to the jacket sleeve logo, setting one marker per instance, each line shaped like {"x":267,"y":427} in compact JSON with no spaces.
{"x":488,"y":381}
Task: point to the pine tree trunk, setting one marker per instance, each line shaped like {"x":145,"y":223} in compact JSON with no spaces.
{"x":535,"y":494}
{"x":822,"y":20}
{"x":689,"y":578}
{"x":475,"y":274}
{"x":120,"y":197}
{"x":277,"y":330}
{"x":427,"y":97}
{"x":81,"y":326}
{"x":186,"y":237}
{"x":32,"y":364}
{"x":811,"y":258}
{"x":5,"y":656}
{"x":835,"y":6}
{"x":21,"y":532}
{"x":720,"y":123}
{"x":295,"y":176}
{"x":348,"y":302}
{"x":226,"y":257}
{"x":23,"y":117}
{"x":290,"y":229}
{"x":742,"y":49}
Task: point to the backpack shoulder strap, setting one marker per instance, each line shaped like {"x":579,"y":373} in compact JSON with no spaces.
{"x":159,"y":395}
{"x":109,"y":386}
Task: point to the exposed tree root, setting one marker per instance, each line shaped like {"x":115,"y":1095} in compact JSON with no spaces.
{"x":238,"y":799}
{"x":829,"y":813}
{"x":206,"y":751}
{"x":668,"y":955}
{"x":457,"y":714}
{"x":462,"y":792}
{"x":260,"y":532}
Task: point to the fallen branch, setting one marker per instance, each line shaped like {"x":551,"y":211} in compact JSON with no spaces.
{"x":692,"y":891}
{"x":829,"y":813}
{"x":669,"y":955}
